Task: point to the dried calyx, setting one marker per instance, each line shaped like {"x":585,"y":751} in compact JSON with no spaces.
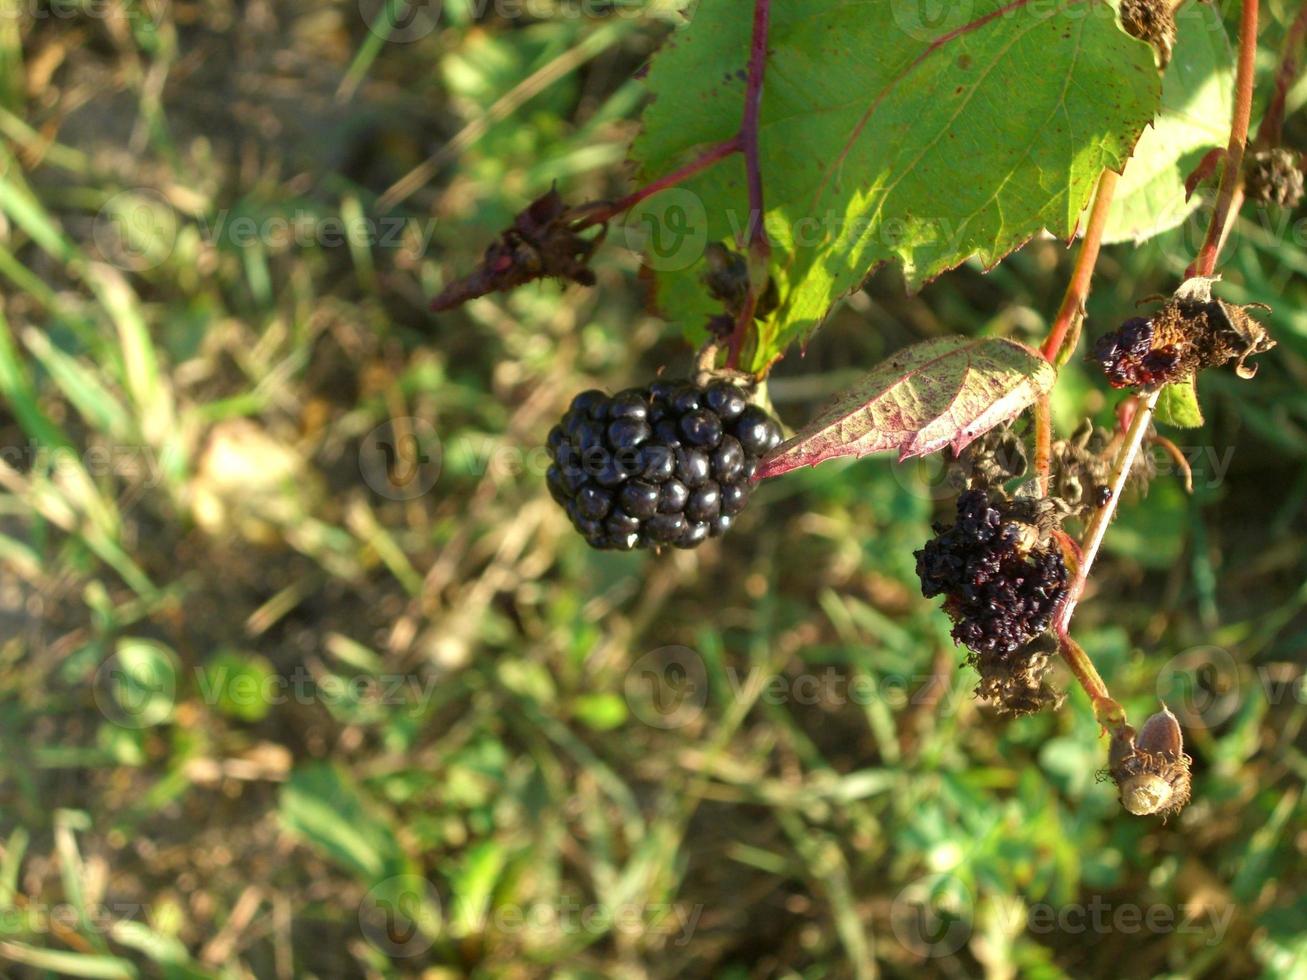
{"x":727,"y":280}
{"x":996,"y":458}
{"x":1192,"y":331}
{"x":548,"y":239}
{"x":1150,"y":768}
{"x":1016,"y":683}
{"x":1152,"y":21}
{"x":1081,"y":470}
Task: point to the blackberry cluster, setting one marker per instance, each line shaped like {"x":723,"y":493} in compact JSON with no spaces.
{"x":999,"y":593}
{"x":1129,"y":359}
{"x":669,"y":464}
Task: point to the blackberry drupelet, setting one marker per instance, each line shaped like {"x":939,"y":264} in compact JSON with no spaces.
{"x":1129,"y":359}
{"x":999,"y":592}
{"x":669,"y":464}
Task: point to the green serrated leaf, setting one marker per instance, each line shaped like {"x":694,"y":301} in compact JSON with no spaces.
{"x":1177,"y":405}
{"x":885,"y":138}
{"x":1195,"y":116}
{"x":943,"y":392}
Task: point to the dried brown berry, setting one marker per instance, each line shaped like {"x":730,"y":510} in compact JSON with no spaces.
{"x":1274,"y":176}
{"x":1151,"y":768}
{"x":1191,"y":332}
{"x":1152,"y":21}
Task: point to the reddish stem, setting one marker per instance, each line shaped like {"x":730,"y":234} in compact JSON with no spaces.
{"x":1232,"y":176}
{"x":1129,"y":443}
{"x":1109,"y":713}
{"x":749,"y":126}
{"x":606,"y":211}
{"x":1268,"y":132}
{"x":1077,"y":290}
{"x":759,"y":249}
{"x":1043,"y":442}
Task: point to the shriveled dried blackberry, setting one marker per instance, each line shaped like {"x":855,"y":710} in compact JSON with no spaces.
{"x":1000,"y":587}
{"x":1274,"y":176}
{"x":1151,"y":768}
{"x":1192,"y":331}
{"x":1132,"y":356}
{"x":670,"y":464}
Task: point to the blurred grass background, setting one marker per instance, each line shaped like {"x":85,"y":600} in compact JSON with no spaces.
{"x":270,"y":709}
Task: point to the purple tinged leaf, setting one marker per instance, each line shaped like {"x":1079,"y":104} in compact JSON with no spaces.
{"x":944,"y":392}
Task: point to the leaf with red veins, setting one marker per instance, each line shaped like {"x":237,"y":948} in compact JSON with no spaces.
{"x":545,"y":241}
{"x":944,"y":392}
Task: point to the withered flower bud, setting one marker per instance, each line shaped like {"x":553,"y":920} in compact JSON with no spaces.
{"x":1151,"y":768}
{"x":1274,"y":176}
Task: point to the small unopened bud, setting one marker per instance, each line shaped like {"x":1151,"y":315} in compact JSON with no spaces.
{"x":1150,"y":767}
{"x":1161,"y":733}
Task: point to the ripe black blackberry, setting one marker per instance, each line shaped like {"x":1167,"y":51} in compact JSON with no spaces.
{"x":669,"y":464}
{"x":1000,"y":591}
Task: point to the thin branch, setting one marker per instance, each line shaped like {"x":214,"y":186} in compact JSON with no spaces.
{"x":606,"y":211}
{"x":1269,"y":130}
{"x":1077,"y":290}
{"x":1232,"y":176}
{"x":1110,"y":714}
{"x":758,"y":248}
{"x":1093,"y":539}
{"x":757,"y":235}
{"x":1229,"y":198}
{"x":1043,"y":442}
